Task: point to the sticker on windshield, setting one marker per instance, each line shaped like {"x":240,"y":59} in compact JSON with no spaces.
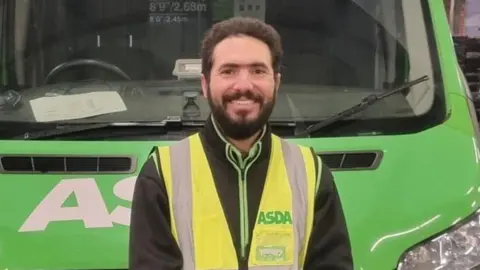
{"x":174,"y":11}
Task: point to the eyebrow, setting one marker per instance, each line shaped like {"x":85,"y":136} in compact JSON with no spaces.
{"x":254,"y":64}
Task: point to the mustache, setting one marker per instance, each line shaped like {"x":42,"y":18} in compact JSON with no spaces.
{"x":238,"y":95}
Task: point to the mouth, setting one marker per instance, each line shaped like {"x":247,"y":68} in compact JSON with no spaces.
{"x":243,"y":105}
{"x":243,"y":102}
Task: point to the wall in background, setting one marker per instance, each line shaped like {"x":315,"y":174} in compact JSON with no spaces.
{"x":472,"y":22}
{"x":456,"y":11}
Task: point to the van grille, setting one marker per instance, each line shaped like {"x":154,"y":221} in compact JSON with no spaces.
{"x":66,"y":164}
{"x":352,"y":160}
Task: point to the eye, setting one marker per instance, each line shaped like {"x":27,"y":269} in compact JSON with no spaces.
{"x":259,"y":71}
{"x":227,"y":71}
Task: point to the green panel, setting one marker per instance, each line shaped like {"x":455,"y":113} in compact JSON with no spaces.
{"x":418,"y":180}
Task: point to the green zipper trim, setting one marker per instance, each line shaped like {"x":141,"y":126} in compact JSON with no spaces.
{"x":242,"y":166}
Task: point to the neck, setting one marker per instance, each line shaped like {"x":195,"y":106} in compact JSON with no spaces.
{"x":244,"y":146}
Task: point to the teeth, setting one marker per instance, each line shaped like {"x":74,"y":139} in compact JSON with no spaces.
{"x":243,"y":102}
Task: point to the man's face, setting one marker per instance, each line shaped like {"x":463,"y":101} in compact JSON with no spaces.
{"x":242,"y":86}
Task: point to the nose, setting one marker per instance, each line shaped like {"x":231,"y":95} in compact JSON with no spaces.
{"x":243,"y":81}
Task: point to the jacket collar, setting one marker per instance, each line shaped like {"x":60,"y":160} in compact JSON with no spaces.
{"x":218,"y":144}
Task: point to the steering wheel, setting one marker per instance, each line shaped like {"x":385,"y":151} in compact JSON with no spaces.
{"x":85,"y":62}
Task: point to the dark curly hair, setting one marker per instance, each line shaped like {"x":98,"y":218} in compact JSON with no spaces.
{"x":241,"y":26}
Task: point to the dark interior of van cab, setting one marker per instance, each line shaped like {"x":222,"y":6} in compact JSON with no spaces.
{"x":329,"y":42}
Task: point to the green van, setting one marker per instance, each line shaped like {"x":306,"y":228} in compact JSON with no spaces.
{"x":89,"y":87}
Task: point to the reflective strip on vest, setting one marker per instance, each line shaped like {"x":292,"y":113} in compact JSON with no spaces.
{"x":182,"y":183}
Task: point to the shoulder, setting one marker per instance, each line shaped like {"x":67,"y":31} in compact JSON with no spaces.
{"x":289,"y":144}
{"x":163,"y":156}
{"x":309,"y":154}
{"x":151,"y":170}
{"x":158,"y":151}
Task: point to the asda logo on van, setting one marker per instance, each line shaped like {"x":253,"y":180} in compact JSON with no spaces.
{"x":274,"y":217}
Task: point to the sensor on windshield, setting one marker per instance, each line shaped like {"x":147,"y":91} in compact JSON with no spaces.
{"x":188,"y":69}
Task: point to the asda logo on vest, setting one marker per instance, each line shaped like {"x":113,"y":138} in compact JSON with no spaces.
{"x":274,"y":217}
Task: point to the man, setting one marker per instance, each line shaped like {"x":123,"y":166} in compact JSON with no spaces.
{"x":235,"y":196}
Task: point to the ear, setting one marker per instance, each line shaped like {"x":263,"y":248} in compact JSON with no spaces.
{"x":278,"y":79}
{"x":204,"y":85}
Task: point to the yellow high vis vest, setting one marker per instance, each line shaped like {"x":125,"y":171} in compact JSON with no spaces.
{"x":284,"y":219}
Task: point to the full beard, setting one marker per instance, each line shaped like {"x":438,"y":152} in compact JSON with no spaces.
{"x":243,"y":128}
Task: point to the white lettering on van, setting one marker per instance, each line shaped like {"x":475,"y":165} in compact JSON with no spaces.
{"x":91,"y":207}
{"x":123,"y":190}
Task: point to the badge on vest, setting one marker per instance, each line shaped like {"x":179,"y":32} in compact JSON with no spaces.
{"x":274,"y":247}
{"x":273,"y":241}
{"x":271,"y":254}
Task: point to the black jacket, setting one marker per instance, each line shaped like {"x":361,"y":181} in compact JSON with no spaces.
{"x":152,"y":246}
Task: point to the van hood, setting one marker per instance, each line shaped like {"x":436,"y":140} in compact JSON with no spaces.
{"x":422,"y":187}
{"x":80,"y":221}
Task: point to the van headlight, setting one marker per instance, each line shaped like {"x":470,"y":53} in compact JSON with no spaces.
{"x":458,"y":248}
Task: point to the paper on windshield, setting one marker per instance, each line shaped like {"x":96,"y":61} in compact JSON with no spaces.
{"x":77,"y":106}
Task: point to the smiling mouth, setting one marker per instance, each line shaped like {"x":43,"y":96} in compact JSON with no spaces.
{"x":243,"y":102}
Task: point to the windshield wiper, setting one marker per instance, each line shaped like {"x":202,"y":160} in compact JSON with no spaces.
{"x":362,"y":105}
{"x":157,"y":127}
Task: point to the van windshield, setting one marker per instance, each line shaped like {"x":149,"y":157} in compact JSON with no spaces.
{"x":136,"y":60}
